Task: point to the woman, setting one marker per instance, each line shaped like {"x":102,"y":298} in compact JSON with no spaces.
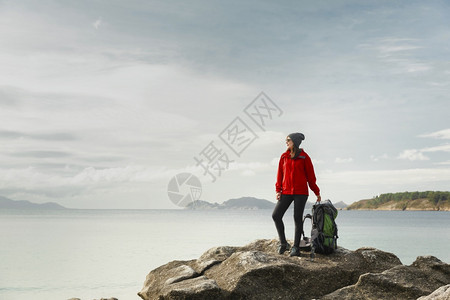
{"x":295,"y":174}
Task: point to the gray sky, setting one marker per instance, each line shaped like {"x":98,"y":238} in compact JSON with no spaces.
{"x":103,"y":102}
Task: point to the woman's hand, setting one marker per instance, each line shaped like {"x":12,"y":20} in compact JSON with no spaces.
{"x":278,"y":196}
{"x":318,"y":198}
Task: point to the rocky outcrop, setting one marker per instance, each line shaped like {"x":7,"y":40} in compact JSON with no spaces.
{"x":96,"y":299}
{"x":442,"y":293}
{"x":256,"y":271}
{"x":405,"y":282}
{"x":429,"y":200}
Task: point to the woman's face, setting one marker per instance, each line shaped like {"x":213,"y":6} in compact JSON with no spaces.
{"x":289,"y":143}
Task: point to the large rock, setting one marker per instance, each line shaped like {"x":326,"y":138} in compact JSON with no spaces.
{"x":96,"y":299}
{"x":257,"y":271}
{"x":442,"y":293}
{"x":424,"y":276}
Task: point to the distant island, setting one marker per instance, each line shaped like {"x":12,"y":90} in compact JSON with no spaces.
{"x":246,"y":203}
{"x":239,"y":203}
{"x":243,"y":203}
{"x":6,"y":203}
{"x":429,"y":200}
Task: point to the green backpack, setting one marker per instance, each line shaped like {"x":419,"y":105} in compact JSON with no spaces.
{"x":324,"y":229}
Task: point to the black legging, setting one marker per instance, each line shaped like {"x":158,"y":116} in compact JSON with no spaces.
{"x":281,"y":208}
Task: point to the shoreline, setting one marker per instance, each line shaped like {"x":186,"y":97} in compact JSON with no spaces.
{"x":407,"y":209}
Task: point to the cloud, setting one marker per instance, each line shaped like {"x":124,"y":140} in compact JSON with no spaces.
{"x":414,"y":67}
{"x":392,"y":48}
{"x":55,"y":136}
{"x":439,"y":84}
{"x":441,"y":134}
{"x":89,"y":177}
{"x":441,"y":148}
{"x":318,"y":161}
{"x":161,"y":107}
{"x":9,"y":96}
{"x":236,"y":166}
{"x":378,"y":158}
{"x":417,"y":177}
{"x":93,"y":175}
{"x":412,"y":154}
{"x":398,"y":54}
{"x":97,"y":23}
{"x":268,"y":137}
{"x":418,"y":154}
{"x":248,"y":173}
{"x":275,"y":161}
{"x":339,"y":160}
{"x":41,"y":154}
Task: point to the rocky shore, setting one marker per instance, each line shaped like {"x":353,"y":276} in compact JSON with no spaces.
{"x":256,"y":271}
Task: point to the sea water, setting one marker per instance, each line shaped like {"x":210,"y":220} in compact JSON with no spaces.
{"x":92,"y":254}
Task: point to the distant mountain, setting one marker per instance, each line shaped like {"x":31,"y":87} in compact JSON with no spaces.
{"x":6,"y":203}
{"x":238,"y":203}
{"x":248,"y":203}
{"x":340,"y":205}
{"x":429,"y":200}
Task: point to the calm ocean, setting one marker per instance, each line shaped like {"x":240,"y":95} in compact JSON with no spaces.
{"x":107,"y":253}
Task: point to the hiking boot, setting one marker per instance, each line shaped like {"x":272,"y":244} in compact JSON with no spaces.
{"x":283,"y":248}
{"x":295,"y":251}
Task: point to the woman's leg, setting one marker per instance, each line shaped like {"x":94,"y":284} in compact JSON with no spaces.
{"x":278,"y":213}
{"x":299,"y":207}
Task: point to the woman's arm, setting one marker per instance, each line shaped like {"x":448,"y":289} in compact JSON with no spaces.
{"x":311,"y":177}
{"x":279,"y":183}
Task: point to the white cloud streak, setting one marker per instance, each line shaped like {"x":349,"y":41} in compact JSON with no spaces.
{"x":441,"y":134}
{"x":387,"y":177}
{"x":412,"y":154}
{"x":339,"y":160}
{"x":441,"y":148}
{"x":397,"y":53}
{"x":418,"y":154}
{"x":97,"y":23}
{"x":378,"y":158}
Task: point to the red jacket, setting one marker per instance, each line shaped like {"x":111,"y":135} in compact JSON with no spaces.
{"x":294,"y":175}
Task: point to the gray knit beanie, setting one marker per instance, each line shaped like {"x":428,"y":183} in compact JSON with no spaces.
{"x":297,"y":138}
